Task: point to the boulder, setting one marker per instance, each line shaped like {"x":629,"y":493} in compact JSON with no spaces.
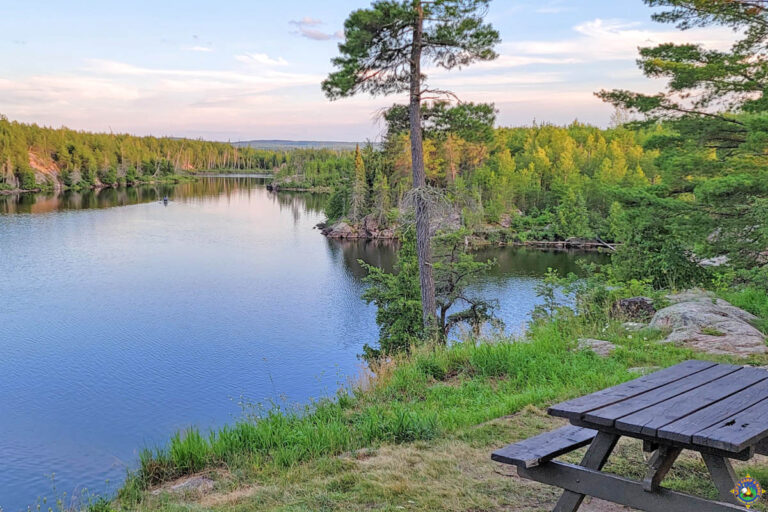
{"x":505,"y":221}
{"x":702,"y":322}
{"x":600,"y":347}
{"x":371,"y":226}
{"x":634,"y":326}
{"x":717,"y":261}
{"x":341,"y":230}
{"x":634,"y":308}
{"x":196,"y":484}
{"x":387,"y":234}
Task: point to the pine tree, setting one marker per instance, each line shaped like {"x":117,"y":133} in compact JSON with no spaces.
{"x":360,"y":188}
{"x":383,"y":51}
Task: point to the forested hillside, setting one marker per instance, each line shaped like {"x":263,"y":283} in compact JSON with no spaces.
{"x":33,"y":157}
{"x":562,"y":180}
{"x":674,"y":200}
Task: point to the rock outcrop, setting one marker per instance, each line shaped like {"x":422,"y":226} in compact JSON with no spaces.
{"x":600,"y":347}
{"x":634,"y":308}
{"x":702,"y":322}
{"x":368,"y":229}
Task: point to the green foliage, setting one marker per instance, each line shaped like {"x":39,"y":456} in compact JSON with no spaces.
{"x":714,"y":146}
{"x":548,"y":290}
{"x":376,"y":52}
{"x":359,"y":188}
{"x":472,"y":122}
{"x":572,"y":216}
{"x":455,"y":270}
{"x":753,"y":299}
{"x":108,"y":176}
{"x":110,"y":157}
{"x":338,"y":204}
{"x":26,"y":178}
{"x":397,"y":297}
{"x":658,"y":241}
{"x":435,"y":391}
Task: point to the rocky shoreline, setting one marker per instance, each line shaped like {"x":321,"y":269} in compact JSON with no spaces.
{"x":371,"y":229}
{"x":695,"y":319}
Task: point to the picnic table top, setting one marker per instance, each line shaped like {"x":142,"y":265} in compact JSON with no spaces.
{"x":694,"y":404}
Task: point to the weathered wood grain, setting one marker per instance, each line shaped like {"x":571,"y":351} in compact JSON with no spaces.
{"x":650,"y":419}
{"x":747,"y":428}
{"x":620,"y":490}
{"x":579,"y":406}
{"x":610,"y":414}
{"x":684,"y":429}
{"x":535,"y":450}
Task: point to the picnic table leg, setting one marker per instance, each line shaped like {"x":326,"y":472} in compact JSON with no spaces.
{"x":723,"y":476}
{"x":595,"y":458}
{"x":659,"y":465}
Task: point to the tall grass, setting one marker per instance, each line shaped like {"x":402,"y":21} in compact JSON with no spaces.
{"x":752,"y":299}
{"x":431,"y":392}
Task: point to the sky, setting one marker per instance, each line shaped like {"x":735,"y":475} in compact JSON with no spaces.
{"x":251,"y":69}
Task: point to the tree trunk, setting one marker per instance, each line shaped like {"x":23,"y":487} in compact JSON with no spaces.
{"x":423,"y":247}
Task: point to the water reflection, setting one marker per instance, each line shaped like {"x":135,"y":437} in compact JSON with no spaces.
{"x":126,"y":324}
{"x":202,"y":190}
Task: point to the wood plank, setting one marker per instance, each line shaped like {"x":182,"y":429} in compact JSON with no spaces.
{"x":745,"y":454}
{"x":607,"y":416}
{"x":595,"y":458}
{"x":577,"y":407}
{"x":535,"y":450}
{"x":723,"y":476}
{"x":650,"y":419}
{"x":740,"y":431}
{"x":659,"y":465}
{"x":762,"y":447}
{"x":620,"y":490}
{"x":683,"y":431}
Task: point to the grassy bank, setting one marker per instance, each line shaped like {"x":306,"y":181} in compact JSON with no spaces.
{"x":395,"y":441}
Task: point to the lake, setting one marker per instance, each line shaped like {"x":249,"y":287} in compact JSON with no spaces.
{"x":124,"y":319}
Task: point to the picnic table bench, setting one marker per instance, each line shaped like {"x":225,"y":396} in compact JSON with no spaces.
{"x":718,"y":410}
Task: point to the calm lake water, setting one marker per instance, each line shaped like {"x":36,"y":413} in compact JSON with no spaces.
{"x":124,"y":319}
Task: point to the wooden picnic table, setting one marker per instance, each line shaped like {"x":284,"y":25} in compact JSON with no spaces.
{"x":718,"y":410}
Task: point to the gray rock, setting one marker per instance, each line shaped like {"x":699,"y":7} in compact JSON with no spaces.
{"x":635,"y":308}
{"x":342,"y":230}
{"x":505,"y":221}
{"x":371,"y":226}
{"x":387,"y":234}
{"x":600,"y":347}
{"x":717,"y":261}
{"x":634,"y":326}
{"x":193,"y":484}
{"x":700,"y":321}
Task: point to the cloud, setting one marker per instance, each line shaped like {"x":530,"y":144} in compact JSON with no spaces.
{"x":261,"y":59}
{"x":600,"y":40}
{"x":258,"y":76}
{"x":198,"y":49}
{"x":307,"y":27}
{"x":485,"y":80}
{"x":306,"y":20}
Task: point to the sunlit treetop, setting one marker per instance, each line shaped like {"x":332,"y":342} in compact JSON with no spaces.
{"x":375,"y":56}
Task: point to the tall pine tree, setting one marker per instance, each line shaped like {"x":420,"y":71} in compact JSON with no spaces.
{"x":384,"y":49}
